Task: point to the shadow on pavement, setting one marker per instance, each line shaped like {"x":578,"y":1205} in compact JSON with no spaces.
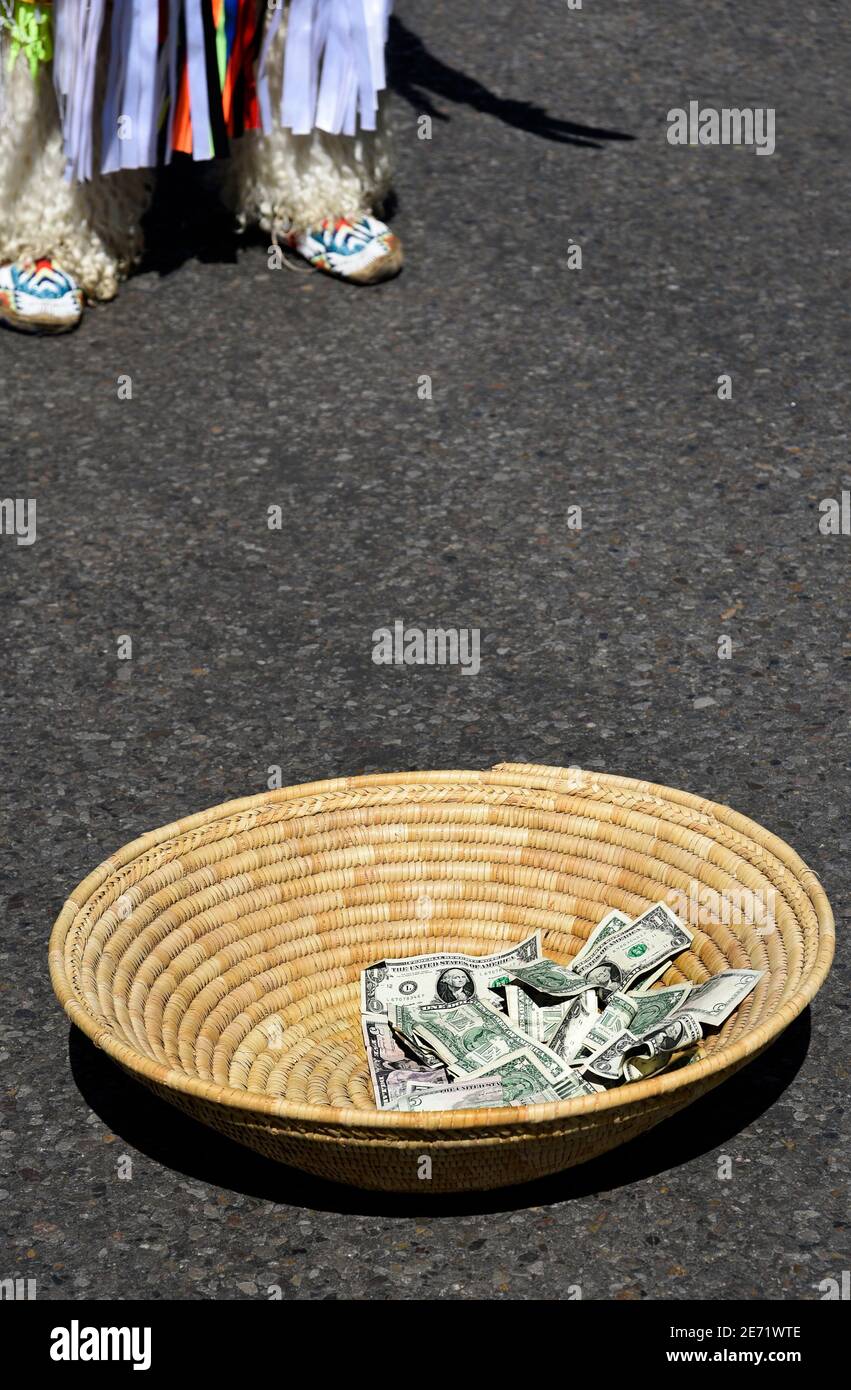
{"x":413,"y":72}
{"x":171,"y":1138}
{"x":188,"y":221}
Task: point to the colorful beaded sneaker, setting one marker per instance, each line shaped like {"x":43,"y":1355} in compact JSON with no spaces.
{"x":364,"y":252}
{"x":38,"y":297}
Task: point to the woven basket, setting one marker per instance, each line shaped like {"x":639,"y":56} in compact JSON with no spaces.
{"x":218,"y":959}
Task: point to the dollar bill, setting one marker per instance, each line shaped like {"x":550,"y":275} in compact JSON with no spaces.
{"x":713,"y":1002}
{"x":459,"y":1095}
{"x":634,"y":1011}
{"x":609,"y":1061}
{"x":616,"y":962}
{"x":425,"y":1082}
{"x":547,"y":977}
{"x":525,"y":1082}
{"x":436,"y":1038}
{"x":637,"y":950}
{"x":446,"y":978}
{"x":647,"y":980}
{"x":707,"y":1005}
{"x":639,"y":1068}
{"x":471,"y":1036}
{"x":611,"y":1022}
{"x":634,"y":952}
{"x":655,"y":1005}
{"x":537,"y":1020}
{"x":662,"y":1040}
{"x":541,"y":1021}
{"x":390,"y":1068}
{"x":420,"y":1048}
{"x":613,"y":921}
{"x":521,"y":1011}
{"x":573,"y":1029}
{"x":650,"y":1036}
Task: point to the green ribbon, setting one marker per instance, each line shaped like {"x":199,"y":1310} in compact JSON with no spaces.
{"x":30,"y":33}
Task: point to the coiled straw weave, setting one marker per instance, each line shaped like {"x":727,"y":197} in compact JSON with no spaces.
{"x":217,"y":959}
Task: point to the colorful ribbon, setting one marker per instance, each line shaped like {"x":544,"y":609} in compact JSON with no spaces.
{"x":188,"y":75}
{"x":30,"y":29}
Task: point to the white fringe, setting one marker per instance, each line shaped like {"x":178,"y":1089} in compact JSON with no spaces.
{"x":91,"y":229}
{"x":278,"y":182}
{"x":283,"y":181}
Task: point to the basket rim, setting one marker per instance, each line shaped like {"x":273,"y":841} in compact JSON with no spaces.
{"x":456,"y":1123}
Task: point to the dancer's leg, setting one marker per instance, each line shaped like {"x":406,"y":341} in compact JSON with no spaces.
{"x":319,"y":192}
{"x":91,"y":230}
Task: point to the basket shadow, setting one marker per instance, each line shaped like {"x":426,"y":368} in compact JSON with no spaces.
{"x":171,"y":1138}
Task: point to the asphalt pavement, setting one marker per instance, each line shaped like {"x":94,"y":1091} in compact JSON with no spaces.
{"x":552,"y":387}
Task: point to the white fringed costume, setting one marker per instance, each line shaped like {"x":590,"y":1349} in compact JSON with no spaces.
{"x":71,"y":190}
{"x":282,"y":180}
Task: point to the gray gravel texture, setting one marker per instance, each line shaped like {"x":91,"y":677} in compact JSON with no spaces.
{"x":551,"y":388}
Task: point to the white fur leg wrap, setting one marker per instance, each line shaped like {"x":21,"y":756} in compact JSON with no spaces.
{"x":90,"y":229}
{"x":283,"y":181}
